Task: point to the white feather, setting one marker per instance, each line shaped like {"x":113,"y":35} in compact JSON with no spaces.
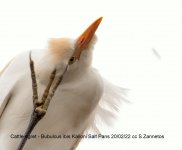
{"x":82,"y":99}
{"x":109,"y":105}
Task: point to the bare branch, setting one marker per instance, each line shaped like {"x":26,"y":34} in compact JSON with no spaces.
{"x":46,"y":92}
{"x":41,"y":107}
{"x":51,"y":94}
{"x":34,"y":82}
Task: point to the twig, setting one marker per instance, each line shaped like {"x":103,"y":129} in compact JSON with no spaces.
{"x":34,"y":82}
{"x":51,"y":94}
{"x":46,"y":92}
{"x":40,"y":108}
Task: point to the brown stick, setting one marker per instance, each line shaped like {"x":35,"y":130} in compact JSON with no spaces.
{"x":41,"y":107}
{"x":51,"y":94}
{"x":34,"y":82}
{"x":46,"y":92}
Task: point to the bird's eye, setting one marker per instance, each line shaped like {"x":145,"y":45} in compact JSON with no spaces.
{"x":72,"y":60}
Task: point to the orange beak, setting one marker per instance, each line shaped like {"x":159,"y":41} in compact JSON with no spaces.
{"x":85,"y":38}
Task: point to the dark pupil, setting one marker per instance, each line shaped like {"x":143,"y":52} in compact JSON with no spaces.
{"x":72,"y":59}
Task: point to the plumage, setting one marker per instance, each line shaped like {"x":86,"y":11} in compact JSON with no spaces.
{"x":82,"y":97}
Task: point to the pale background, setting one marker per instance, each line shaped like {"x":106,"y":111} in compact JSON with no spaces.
{"x":139,"y":47}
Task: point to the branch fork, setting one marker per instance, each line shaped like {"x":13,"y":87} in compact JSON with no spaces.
{"x":40,"y":107}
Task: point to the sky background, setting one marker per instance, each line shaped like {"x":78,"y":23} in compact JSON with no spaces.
{"x":139,"y":48}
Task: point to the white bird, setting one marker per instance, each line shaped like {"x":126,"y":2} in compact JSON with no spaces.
{"x":81,"y":98}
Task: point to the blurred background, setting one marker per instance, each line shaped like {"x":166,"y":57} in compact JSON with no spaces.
{"x":139,"y":48}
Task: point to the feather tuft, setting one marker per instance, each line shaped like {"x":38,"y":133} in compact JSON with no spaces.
{"x":108,"y":109}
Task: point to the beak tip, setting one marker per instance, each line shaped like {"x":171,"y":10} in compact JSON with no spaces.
{"x":99,"y":20}
{"x":85,"y":38}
